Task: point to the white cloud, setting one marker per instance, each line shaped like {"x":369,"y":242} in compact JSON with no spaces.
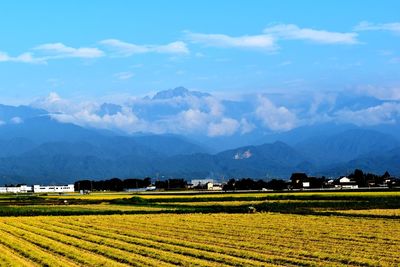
{"x":215,"y":106}
{"x":246,"y":126}
{"x":225,"y":127}
{"x":294,"y":32}
{"x":23,"y":58}
{"x":387,"y":113}
{"x":273,"y":117}
{"x":125,"y":49}
{"x":53,"y":103}
{"x":367,"y":26}
{"x":326,"y":100}
{"x":4,"y":57}
{"x":124,"y":75}
{"x":271,"y":35}
{"x":394,"y":60}
{"x":124,"y":120}
{"x":380,"y":92}
{"x":260,"y":42}
{"x":285,"y":63}
{"x":52,"y":51}
{"x":59,"y":50}
{"x":86,"y":114}
{"x":192,"y":119}
{"x":178,"y":47}
{"x":16,"y":120}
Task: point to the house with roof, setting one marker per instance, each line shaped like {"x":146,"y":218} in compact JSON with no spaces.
{"x":345,"y":183}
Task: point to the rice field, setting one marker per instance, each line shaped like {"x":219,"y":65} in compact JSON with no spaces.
{"x":288,"y":229}
{"x":377,"y":212}
{"x":91,"y":196}
{"x":263,"y":239}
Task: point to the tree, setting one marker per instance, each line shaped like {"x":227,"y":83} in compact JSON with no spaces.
{"x":386,"y":175}
{"x":230,"y":185}
{"x":171,"y":184}
{"x":275,"y":184}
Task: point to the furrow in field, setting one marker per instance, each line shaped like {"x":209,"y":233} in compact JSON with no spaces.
{"x":262,"y":256}
{"x":295,"y":252}
{"x":60,"y":250}
{"x":319,"y":235}
{"x":309,"y":230}
{"x":10,"y":257}
{"x":25,"y":248}
{"x":149,"y":256}
{"x":191,"y":255}
{"x":268,"y":253}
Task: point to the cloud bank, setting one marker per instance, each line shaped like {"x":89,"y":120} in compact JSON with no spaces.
{"x":268,"y":40}
{"x":181,"y":111}
{"x":124,"y":49}
{"x":294,"y":32}
{"x":59,"y":50}
{"x":367,"y":26}
{"x":260,"y":42}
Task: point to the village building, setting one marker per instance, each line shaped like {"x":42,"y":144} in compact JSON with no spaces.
{"x":54,"y":188}
{"x":346,"y":183}
{"x":299,"y":180}
{"x":201,"y":182}
{"x":16,"y":189}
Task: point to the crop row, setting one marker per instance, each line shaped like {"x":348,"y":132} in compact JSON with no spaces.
{"x":319,"y":243}
{"x":199,"y":240}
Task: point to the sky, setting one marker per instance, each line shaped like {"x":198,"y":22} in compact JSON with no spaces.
{"x":286,"y":63}
{"x":97,"y":49}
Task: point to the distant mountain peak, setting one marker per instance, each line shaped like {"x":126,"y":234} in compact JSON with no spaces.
{"x":179,"y":92}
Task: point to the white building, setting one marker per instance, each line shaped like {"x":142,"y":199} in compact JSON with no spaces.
{"x":346,"y":183}
{"x":54,"y":188}
{"x":201,"y":182}
{"x":143,"y":189}
{"x":344,"y":180}
{"x":16,"y":189}
{"x":213,"y":186}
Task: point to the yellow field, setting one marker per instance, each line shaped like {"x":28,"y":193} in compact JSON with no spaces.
{"x":97,"y":207}
{"x":126,"y":229}
{"x":271,"y":194}
{"x":385,"y":212}
{"x":212,"y":203}
{"x":234,"y":203}
{"x":94,"y":196}
{"x":182,"y":195}
{"x":261,"y":239}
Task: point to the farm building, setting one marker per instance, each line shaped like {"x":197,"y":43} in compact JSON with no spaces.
{"x":299,"y":181}
{"x":53,"y":188}
{"x":213,"y":186}
{"x":346,"y":183}
{"x":201,"y":182}
{"x":207,"y":184}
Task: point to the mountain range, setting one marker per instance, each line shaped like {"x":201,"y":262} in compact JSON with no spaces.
{"x":36,"y":147}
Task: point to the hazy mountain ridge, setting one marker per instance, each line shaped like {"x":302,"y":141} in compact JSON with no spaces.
{"x":345,"y":146}
{"x":66,"y":162}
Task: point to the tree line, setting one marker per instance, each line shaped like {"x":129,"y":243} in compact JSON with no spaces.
{"x":114,"y":184}
{"x":358,"y":176}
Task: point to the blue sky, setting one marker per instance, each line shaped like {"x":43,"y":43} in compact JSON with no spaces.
{"x":92,"y":49}
{"x":285,"y":64}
